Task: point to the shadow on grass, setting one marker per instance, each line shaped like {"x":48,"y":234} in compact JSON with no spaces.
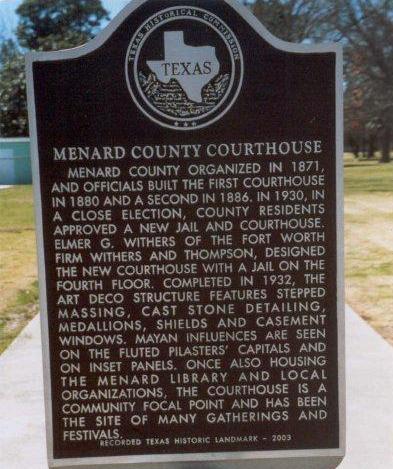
{"x":361,"y":165}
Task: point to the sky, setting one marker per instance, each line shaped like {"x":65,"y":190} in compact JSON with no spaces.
{"x":8,"y":18}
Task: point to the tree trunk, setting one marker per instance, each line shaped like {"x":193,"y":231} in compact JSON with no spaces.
{"x":386,"y":140}
{"x":364,"y":147}
{"x":371,"y":147}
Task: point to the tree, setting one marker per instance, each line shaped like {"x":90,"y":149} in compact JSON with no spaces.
{"x":293,"y":20}
{"x":58,"y":24}
{"x":361,"y":111}
{"x":366,"y":26}
{"x":13,"y":112}
{"x":43,"y":25}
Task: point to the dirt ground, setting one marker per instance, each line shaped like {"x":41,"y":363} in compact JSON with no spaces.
{"x":369,"y":259}
{"x":369,"y":242}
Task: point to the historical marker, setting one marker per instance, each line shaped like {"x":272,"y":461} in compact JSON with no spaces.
{"x":188,"y":175}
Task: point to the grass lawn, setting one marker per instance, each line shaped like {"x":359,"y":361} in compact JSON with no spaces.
{"x":18,"y":270}
{"x":369,"y":242}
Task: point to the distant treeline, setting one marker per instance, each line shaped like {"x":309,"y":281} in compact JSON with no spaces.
{"x":364,"y":27}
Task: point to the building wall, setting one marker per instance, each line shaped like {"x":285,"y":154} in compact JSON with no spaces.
{"x":15,"y":163}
